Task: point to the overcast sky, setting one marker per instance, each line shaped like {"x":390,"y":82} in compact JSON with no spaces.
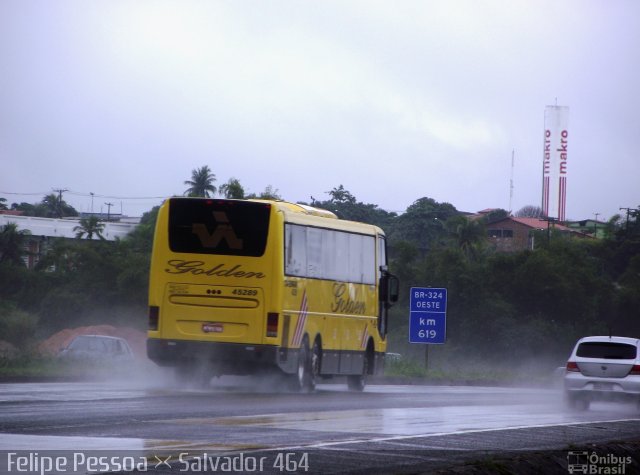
{"x":396,"y":100}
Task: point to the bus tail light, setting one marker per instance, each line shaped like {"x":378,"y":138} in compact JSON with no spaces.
{"x":154,"y":313}
{"x":272,"y":324}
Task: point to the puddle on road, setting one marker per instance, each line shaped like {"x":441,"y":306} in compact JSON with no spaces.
{"x":20,"y":392}
{"x":22,"y":442}
{"x":407,"y":421}
{"x":75,"y":443}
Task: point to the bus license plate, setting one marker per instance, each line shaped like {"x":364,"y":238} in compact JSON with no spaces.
{"x":212,"y":327}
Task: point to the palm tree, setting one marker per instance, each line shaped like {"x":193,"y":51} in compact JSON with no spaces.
{"x":50,"y":206}
{"x":232,"y":189}
{"x":89,"y":226}
{"x":12,"y":244}
{"x":53,"y":206}
{"x":340,"y":195}
{"x":269,"y":193}
{"x":469,"y":235}
{"x":201,"y":183}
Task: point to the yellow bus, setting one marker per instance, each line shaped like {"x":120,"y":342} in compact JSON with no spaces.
{"x":251,"y":286}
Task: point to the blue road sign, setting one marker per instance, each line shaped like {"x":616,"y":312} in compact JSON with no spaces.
{"x":428,"y":315}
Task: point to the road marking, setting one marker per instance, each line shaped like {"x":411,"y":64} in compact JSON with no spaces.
{"x":402,"y":422}
{"x":441,"y":434}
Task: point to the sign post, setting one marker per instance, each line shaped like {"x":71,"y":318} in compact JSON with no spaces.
{"x":428,"y":316}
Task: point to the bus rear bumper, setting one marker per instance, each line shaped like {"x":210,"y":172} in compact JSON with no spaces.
{"x":221,"y":358}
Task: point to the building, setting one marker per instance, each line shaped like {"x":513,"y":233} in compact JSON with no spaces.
{"x":592,"y":227}
{"x":513,"y":234}
{"x":42,"y":229}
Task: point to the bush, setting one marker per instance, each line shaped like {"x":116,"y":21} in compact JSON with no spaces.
{"x":16,"y":326}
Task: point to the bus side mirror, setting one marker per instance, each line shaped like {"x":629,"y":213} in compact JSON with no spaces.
{"x":394,"y":289}
{"x":389,"y":288}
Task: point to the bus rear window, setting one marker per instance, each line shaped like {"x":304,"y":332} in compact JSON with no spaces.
{"x":208,"y":226}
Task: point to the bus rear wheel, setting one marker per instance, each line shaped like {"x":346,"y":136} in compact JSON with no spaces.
{"x":357,"y":382}
{"x":307,"y":368}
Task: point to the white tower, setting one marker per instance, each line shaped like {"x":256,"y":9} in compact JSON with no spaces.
{"x":554,"y":168}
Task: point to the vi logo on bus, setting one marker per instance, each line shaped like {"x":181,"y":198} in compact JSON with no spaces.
{"x":223,"y":230}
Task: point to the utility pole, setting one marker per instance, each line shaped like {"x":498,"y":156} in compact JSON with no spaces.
{"x":626,"y":228}
{"x":549,"y":221}
{"x":549,"y":230}
{"x":634,"y":212}
{"x":91,"y":193}
{"x":595,"y":226}
{"x":59,"y":203}
{"x":109,"y":205}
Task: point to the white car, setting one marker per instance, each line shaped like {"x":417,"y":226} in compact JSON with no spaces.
{"x":603,"y":368}
{"x":97,"y":348}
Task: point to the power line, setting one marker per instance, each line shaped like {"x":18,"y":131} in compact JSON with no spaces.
{"x":114,"y":197}
{"x":24,"y":194}
{"x":77,"y":193}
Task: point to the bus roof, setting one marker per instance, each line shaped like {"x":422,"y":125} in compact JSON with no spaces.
{"x":299,"y":208}
{"x":308,"y":215}
{"x":304,"y":214}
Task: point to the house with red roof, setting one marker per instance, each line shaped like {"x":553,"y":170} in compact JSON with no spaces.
{"x":512,"y":234}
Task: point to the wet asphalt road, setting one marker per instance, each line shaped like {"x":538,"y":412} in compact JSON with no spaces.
{"x":257,"y":427}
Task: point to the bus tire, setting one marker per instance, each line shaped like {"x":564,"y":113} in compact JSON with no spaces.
{"x":316,"y":360}
{"x":357,"y":382}
{"x":306,"y":370}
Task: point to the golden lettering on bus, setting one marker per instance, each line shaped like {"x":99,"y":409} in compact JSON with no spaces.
{"x":181,"y":266}
{"x":223,"y":230}
{"x":343,"y":303}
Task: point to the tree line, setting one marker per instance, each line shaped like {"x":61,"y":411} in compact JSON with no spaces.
{"x":521,"y":306}
{"x":502,"y":306}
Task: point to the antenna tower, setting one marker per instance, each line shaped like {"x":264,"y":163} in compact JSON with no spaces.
{"x":513,"y":153}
